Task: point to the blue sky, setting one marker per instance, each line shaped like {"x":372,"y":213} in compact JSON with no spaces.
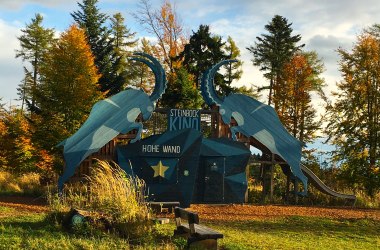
{"x":324,"y":26}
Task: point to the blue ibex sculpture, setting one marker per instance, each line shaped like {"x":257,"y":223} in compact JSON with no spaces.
{"x":112,"y":116}
{"x":255,"y":119}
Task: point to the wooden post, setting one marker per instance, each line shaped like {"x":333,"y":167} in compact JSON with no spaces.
{"x":287,"y":188}
{"x":264,"y":182}
{"x":272,"y":178}
{"x":296,"y":190}
{"x":247,"y":174}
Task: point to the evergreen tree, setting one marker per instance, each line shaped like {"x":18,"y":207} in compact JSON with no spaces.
{"x":273,"y":50}
{"x":99,"y":37}
{"x":202,"y":52}
{"x":34,"y":41}
{"x":183,"y":92}
{"x":354,"y":117}
{"x":124,"y":39}
{"x":124,"y":44}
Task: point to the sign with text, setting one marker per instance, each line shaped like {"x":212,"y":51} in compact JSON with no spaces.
{"x":184,"y":118}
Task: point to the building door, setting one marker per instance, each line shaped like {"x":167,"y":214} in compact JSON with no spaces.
{"x":214,"y":179}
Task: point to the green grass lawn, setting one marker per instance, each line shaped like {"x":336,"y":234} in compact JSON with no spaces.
{"x":300,"y":233}
{"x":33,"y":231}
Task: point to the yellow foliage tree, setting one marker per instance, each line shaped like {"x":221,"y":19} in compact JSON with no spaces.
{"x":69,"y":86}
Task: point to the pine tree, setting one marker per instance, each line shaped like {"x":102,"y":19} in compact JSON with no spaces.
{"x":202,"y":52}
{"x":145,"y":78}
{"x":124,"y":43}
{"x":34,"y":43}
{"x":99,"y":37}
{"x":183,"y":92}
{"x":273,"y":50}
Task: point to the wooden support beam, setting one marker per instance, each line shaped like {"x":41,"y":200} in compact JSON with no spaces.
{"x":273,"y":162}
{"x":287,"y":188}
{"x":296,"y":190}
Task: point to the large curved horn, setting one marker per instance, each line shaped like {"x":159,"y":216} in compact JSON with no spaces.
{"x":159,"y":73}
{"x":207,"y":86}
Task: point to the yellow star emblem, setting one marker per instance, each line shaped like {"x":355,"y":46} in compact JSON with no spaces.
{"x":159,"y":169}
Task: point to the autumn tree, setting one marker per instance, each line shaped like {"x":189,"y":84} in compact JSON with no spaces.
{"x":34,"y":42}
{"x":301,"y":76}
{"x":145,"y":78}
{"x":233,"y":70}
{"x":101,"y":43}
{"x":273,"y":50}
{"x":354,"y":117}
{"x":69,"y":87}
{"x":165,"y":25}
{"x":3,"y":132}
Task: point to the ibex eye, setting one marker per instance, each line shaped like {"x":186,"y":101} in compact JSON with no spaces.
{"x":222,"y":111}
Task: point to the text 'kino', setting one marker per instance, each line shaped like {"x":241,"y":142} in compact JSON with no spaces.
{"x":160,"y":148}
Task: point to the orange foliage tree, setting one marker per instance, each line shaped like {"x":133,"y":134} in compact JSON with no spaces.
{"x":19,"y":154}
{"x":300,"y":77}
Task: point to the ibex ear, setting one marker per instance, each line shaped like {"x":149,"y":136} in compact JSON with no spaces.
{"x":147,"y":114}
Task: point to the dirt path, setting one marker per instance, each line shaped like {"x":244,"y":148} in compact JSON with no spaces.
{"x":248,"y":212}
{"x":225,"y":212}
{"x":27,"y":204}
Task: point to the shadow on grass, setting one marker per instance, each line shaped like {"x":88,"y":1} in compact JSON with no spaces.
{"x":31,"y":226}
{"x":303,"y":225}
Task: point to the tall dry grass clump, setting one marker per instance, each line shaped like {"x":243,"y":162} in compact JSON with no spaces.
{"x":115,"y":193}
{"x":112,"y":198}
{"x":25,"y":184}
{"x":120,"y":198}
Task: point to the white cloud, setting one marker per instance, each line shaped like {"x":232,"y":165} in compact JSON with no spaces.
{"x":11,"y":70}
{"x":17,"y":4}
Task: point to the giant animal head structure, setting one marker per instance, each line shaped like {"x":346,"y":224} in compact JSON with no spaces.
{"x":111,"y":117}
{"x":257,"y":120}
